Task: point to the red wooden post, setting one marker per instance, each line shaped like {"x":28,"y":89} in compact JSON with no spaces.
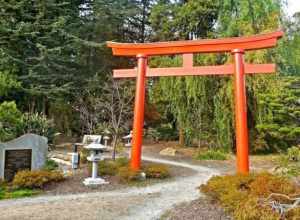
{"x":139,"y":106}
{"x":241,"y":112}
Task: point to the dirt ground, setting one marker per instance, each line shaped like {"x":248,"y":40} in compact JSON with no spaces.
{"x":200,"y":209}
{"x":257,"y":162}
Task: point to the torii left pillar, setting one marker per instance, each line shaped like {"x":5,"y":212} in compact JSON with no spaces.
{"x":139,"y":107}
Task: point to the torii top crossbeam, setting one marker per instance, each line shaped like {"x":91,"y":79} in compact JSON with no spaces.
{"x":237,"y":46}
{"x":196,"y":46}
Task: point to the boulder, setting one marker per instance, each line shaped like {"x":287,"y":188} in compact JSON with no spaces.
{"x":168,"y":152}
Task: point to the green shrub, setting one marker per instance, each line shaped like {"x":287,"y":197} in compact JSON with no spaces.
{"x":84,"y":153}
{"x":36,"y":179}
{"x":157,"y":171}
{"x":164,"y":132}
{"x":107,"y":168}
{"x":111,"y":167}
{"x":211,"y":155}
{"x":293,"y":154}
{"x":127,"y":175}
{"x":289,"y":164}
{"x":38,"y":124}
{"x":50,"y":165}
{"x":122,"y":161}
{"x":240,"y":194}
{"x":13,"y":123}
{"x":8,"y":83}
{"x":10,"y":121}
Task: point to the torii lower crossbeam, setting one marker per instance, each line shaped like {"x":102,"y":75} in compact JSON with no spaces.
{"x":237,"y":46}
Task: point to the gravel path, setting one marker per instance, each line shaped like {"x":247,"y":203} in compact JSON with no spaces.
{"x":133,"y":203}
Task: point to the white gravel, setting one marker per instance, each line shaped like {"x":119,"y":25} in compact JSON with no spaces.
{"x":140,"y":203}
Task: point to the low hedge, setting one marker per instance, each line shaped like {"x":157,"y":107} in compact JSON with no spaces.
{"x":157,"y":171}
{"x":241,"y":195}
{"x":36,"y":179}
{"x":128,"y":175}
{"x":111,"y":167}
{"x":120,"y":167}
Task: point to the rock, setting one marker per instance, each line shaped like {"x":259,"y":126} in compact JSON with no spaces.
{"x":142,"y":176}
{"x":168,"y":152}
{"x":279,"y":170}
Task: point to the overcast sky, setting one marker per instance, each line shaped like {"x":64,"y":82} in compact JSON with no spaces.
{"x":293,"y":6}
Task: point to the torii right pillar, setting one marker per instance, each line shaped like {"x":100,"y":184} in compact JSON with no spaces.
{"x":242,"y":148}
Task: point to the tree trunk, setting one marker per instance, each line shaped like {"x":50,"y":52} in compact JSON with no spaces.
{"x":114,"y":145}
{"x":181,"y":137}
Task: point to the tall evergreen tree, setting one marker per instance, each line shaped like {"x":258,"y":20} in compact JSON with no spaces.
{"x":37,"y":41}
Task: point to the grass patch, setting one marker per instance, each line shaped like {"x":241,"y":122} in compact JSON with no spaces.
{"x":2,"y":193}
{"x":241,"y":195}
{"x":20,"y":193}
{"x":211,"y":155}
{"x":7,"y":192}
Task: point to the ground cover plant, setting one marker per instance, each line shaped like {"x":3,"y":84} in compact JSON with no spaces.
{"x":243,"y":195}
{"x":120,"y":168}
{"x":211,"y":154}
{"x":8,"y":192}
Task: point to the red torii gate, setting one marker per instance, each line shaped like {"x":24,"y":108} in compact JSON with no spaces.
{"x":237,"y":46}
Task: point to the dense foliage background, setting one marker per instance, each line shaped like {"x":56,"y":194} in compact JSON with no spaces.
{"x":54,"y":63}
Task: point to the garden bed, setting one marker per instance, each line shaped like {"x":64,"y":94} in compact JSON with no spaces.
{"x":74,"y":183}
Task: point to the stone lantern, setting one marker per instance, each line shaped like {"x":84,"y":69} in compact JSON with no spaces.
{"x":106,"y":139}
{"x":95,"y":157}
{"x":127,"y":139}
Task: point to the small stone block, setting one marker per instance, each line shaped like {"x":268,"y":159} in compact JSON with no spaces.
{"x":94,"y":181}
